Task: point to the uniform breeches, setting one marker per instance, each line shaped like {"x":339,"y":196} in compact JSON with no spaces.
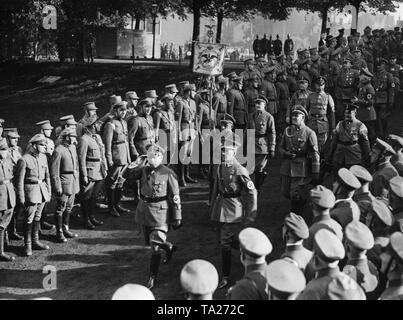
{"x":185,"y":151}
{"x":153,"y":233}
{"x":260,"y":163}
{"x":227,"y":235}
{"x":33,"y":211}
{"x":65,"y":203}
{"x":5,"y":218}
{"x":291,"y":187}
{"x":115,"y":179}
{"x":322,"y":138}
{"x":91,"y":189}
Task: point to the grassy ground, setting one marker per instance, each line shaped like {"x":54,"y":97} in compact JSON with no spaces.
{"x":98,"y":262}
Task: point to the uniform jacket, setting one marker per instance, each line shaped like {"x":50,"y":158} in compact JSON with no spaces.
{"x":334,"y":70}
{"x":394,"y":291}
{"x":237,"y":106}
{"x":268,"y":89}
{"x":7,"y":192}
{"x":366,"y":96}
{"x":363,"y":272}
{"x":283,"y":95}
{"x":323,"y":222}
{"x":298,"y":255}
{"x":220,"y":105}
{"x":165,"y":120}
{"x":304,"y":143}
{"x":141,"y":135}
{"x":292,"y":85}
{"x":91,"y":157}
{"x":229,"y":181}
{"x":115,"y":139}
{"x":187,"y":117}
{"x":159,"y":202}
{"x":300,"y":97}
{"x":346,"y":84}
{"x":15,"y":155}
{"x":33,"y":178}
{"x":347,"y":211}
{"x":265,"y":134}
{"x":251,"y":94}
{"x":320,"y":107}
{"x":364,"y":201}
{"x":384,"y":86}
{"x":64,"y":170}
{"x":380,"y":180}
{"x":397,"y":162}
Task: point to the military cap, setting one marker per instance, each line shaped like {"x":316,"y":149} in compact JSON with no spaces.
{"x":222,"y":80}
{"x":383,"y":61}
{"x":351,"y":107}
{"x":37,"y":138}
{"x":270,"y":70}
{"x":202,"y":91}
{"x":262,"y":99}
{"x":350,"y":37}
{"x":89,"y":106}
{"x":199,"y":277}
{"x":346,"y":58}
{"x":303,"y":80}
{"x":11,"y":133}
{"x":359,"y":235}
{"x":343,"y":287}
{"x":68,"y":120}
{"x":367,"y":28}
{"x":285,"y":276}
{"x":304,"y":51}
{"x":45,"y":125}
{"x":253,"y":77}
{"x":341,"y":30}
{"x":3,"y":144}
{"x":396,"y":139}
{"x":335,"y":52}
{"x":132,"y":95}
{"x":322,"y":197}
{"x":68,"y":132}
{"x":237,"y":79}
{"x":382,"y":212}
{"x":120,"y":105}
{"x":113,"y":99}
{"x":280,"y":56}
{"x":261,"y":59}
{"x":323,"y":50}
{"x":297,"y":225}
{"x":389,"y":32}
{"x":167,"y":96}
{"x":327,"y":246}
{"x":320,"y":80}
{"x":330,"y":38}
{"x":2,"y":121}
{"x":254,"y":242}
{"x":248,"y":61}
{"x":91,"y":120}
{"x":272,"y":56}
{"x":384,"y":146}
{"x":146,"y":101}
{"x":312,"y":49}
{"x":133,"y":292}
{"x":396,"y":246}
{"x":183,"y":84}
{"x":188,"y":87}
{"x":366,"y":72}
{"x":347,"y":179}
{"x":172,"y":88}
{"x":299,"y":51}
{"x":396,"y":186}
{"x":153,"y":147}
{"x":227,"y":119}
{"x":281,"y":72}
{"x":305,"y":61}
{"x":361,"y":173}
{"x":356,"y":50}
{"x":397,"y":29}
{"x":231,"y":75}
{"x":150,"y":94}
{"x":299,"y":109}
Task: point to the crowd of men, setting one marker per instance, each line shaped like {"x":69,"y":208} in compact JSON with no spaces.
{"x":325,"y":114}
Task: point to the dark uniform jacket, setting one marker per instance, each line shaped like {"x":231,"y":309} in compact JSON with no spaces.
{"x":346,"y":84}
{"x":265,"y":134}
{"x":363,"y":272}
{"x":268,"y":89}
{"x":141,"y":135}
{"x":237,"y":106}
{"x":64,"y":170}
{"x":251,"y":94}
{"x":283,"y":95}
{"x":366,"y":96}
{"x":298,"y":255}
{"x":7,"y":192}
{"x":380,"y":180}
{"x":384,"y":88}
{"x":320,"y":107}
{"x":92,"y":160}
{"x":220,"y":105}
{"x":116,"y":143}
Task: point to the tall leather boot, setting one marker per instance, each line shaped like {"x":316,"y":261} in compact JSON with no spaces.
{"x":60,"y":238}
{"x":262,"y":178}
{"x":118,"y":197}
{"x":12,"y":228}
{"x":36,"y":244}
{"x":181,"y":175}
{"x":258,"y":180}
{"x":3,"y":256}
{"x":44,"y":224}
{"x":66,"y":225}
{"x":28,"y":238}
{"x":226,"y":267}
{"x":6,"y":240}
{"x":169,"y":249}
{"x":188,"y":178}
{"x":92,"y":203}
{"x":154,"y":267}
{"x":85,"y":209}
{"x":111,"y":202}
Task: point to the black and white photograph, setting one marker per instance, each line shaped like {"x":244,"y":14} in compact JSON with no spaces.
{"x":174,"y":150}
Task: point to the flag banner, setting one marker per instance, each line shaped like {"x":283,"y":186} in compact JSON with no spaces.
{"x":209,"y":58}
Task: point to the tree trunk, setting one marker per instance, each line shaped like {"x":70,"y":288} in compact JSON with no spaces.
{"x":357,"y":8}
{"x":138,"y":20}
{"x":324,"y":19}
{"x":220,"y":18}
{"x":80,"y":46}
{"x":196,"y":27}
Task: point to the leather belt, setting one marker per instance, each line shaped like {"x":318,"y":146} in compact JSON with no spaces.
{"x":34,"y":182}
{"x":317,"y":116}
{"x":93,"y":159}
{"x":68,"y":172}
{"x":119,"y":142}
{"x":145,"y":138}
{"x":230,"y":195}
{"x":4,"y":182}
{"x":347,"y":143}
{"x":271,"y":100}
{"x":153,"y":200}
{"x":261,"y":135}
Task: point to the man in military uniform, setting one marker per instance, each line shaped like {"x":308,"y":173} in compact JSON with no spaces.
{"x":90,"y":109}
{"x":320,"y":108}
{"x":249,"y":71}
{"x":237,"y":106}
{"x":292,"y":79}
{"x":277,"y":46}
{"x":324,"y":62}
{"x":299,"y":148}
{"x":328,"y":251}
{"x":113,"y":99}
{"x":365,"y":101}
{"x":199,"y":280}
{"x":66,"y":122}
{"x":397,"y":160}
{"x":256,"y":46}
{"x":268,"y":89}
{"x":132,"y":100}
{"x":288,"y":46}
{"x":359,"y":239}
{"x":303,"y":72}
{"x":381,"y":154}
{"x":384,"y":86}
{"x":334,"y":70}
{"x":283,"y":95}
{"x":11,"y":135}
{"x":220,"y":103}
{"x":179,"y":95}
{"x":254,"y":247}
{"x":132,"y":292}
{"x":252,"y":93}
{"x":117,"y":152}
{"x":350,"y":143}
{"x":358,"y":63}
{"x":93,"y":171}
{"x":300,"y":97}
{"x":396,"y":70}
{"x":295,"y":231}
{"x":187,"y":119}
{"x":33,"y":190}
{"x":159,"y":206}
{"x":64,"y":174}
{"x":265,"y":139}
{"x":284,"y":280}
{"x":7,"y":196}
{"x":346,"y":87}
{"x":227,"y":209}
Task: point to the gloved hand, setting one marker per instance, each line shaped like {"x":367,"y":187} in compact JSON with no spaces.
{"x":177,"y":224}
{"x":59,"y":192}
{"x":85,"y":181}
